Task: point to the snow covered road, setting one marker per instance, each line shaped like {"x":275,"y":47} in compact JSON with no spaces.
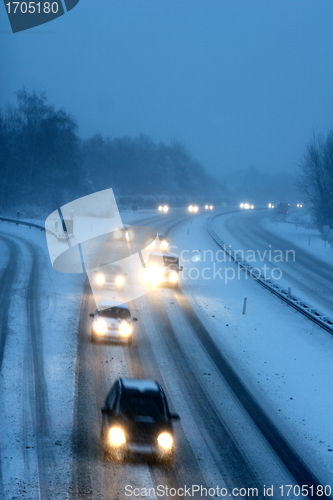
{"x":216,"y":366}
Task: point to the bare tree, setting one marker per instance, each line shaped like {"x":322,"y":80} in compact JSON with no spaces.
{"x":316,"y":180}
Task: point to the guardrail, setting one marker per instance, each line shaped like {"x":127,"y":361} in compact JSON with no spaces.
{"x":28,"y":224}
{"x":307,"y":310}
{"x":22,"y":223}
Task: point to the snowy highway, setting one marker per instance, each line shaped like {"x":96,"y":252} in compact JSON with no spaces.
{"x":304,"y":272}
{"x":236,"y":429}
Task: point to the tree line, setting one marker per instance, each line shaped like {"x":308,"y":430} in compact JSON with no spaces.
{"x":44,"y":162}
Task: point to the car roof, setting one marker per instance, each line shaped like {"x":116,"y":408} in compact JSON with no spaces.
{"x":163,"y":254}
{"x":141,"y":385}
{"x":108,"y":305}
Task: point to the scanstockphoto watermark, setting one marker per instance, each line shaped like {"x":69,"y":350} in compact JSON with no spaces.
{"x":215,"y":272}
{"x":195,"y":490}
{"x":228,"y":255}
{"x":252,"y":260}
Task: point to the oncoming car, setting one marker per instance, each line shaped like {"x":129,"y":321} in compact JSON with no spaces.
{"x":136,"y":420}
{"x":112,"y":323}
{"x":163,"y":268}
{"x":110,"y":277}
{"x":123,"y":233}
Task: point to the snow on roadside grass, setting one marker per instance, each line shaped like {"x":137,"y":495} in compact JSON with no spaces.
{"x":309,"y":240}
{"x":283,"y":358}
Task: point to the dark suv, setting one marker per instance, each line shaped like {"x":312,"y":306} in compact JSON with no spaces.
{"x":136,"y":421}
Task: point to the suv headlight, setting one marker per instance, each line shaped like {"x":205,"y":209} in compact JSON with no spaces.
{"x":173,"y":277}
{"x":117,"y":436}
{"x":164,"y":244}
{"x":165,"y":440}
{"x":125,"y":329}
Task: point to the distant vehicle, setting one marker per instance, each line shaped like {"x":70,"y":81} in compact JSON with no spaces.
{"x":136,"y":420}
{"x":111,"y":277}
{"x":283,"y":208}
{"x":193,"y":208}
{"x":246,"y":206}
{"x":112,"y":323}
{"x":163,"y":208}
{"x":123,"y":233}
{"x":163,"y":268}
{"x":209,"y":207}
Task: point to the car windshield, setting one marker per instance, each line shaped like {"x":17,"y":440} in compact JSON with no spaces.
{"x":115,"y":312}
{"x":168,"y":261}
{"x":142,"y":405}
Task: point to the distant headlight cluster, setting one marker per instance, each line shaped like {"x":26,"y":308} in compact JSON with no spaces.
{"x":163,"y":208}
{"x":299,"y":205}
{"x":246,"y":206}
{"x":270,"y":205}
{"x":209,"y":207}
{"x":193,"y":208}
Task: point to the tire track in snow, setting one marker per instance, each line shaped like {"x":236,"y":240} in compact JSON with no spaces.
{"x":7,"y":279}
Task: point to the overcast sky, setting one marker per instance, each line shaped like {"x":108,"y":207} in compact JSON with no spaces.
{"x":238,"y":82}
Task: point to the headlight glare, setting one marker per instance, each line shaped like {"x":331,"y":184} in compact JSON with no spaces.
{"x":117,"y":436}
{"x":165,"y":440}
{"x":100,"y":327}
{"x":173,"y":277}
{"x":100,"y":279}
{"x":125,"y":329}
{"x":120,"y":280}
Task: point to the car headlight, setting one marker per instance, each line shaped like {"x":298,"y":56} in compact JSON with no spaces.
{"x":117,"y":234}
{"x":100,"y":327}
{"x":117,"y":436}
{"x":120,"y":280}
{"x":165,"y":440}
{"x":206,"y":207}
{"x":164,"y":244}
{"x":190,"y":208}
{"x":195,"y":209}
{"x":125,"y":329}
{"x":160,"y":208}
{"x":211,"y":207}
{"x":173,"y":277}
{"x":165,"y":208}
{"x":129,"y":235}
{"x":100,"y":279}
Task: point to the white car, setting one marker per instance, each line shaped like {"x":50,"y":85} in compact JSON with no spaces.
{"x":110,"y":277}
{"x":112,"y":323}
